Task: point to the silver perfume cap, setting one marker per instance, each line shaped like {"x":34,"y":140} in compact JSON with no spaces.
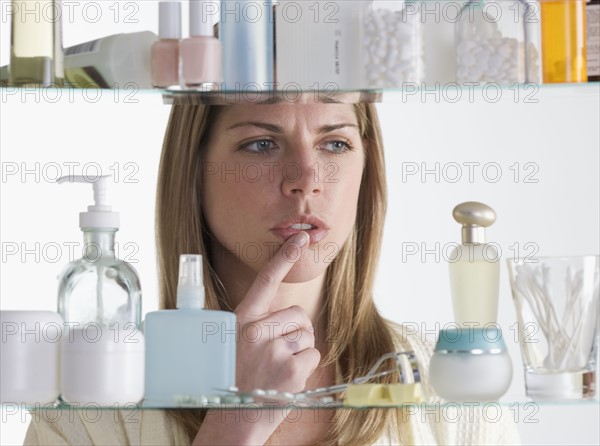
{"x":474,"y":218}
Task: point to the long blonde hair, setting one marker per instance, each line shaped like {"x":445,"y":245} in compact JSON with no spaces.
{"x":356,"y":335}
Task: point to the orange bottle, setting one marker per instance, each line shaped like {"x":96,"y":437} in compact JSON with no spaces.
{"x":564,"y":41}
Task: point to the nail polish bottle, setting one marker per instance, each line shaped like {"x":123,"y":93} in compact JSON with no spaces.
{"x":201,"y":52}
{"x":165,"y":52}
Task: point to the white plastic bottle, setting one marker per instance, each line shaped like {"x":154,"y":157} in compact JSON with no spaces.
{"x":474,"y":268}
{"x":117,"y":61}
{"x":99,"y":298}
{"x":190,"y":352}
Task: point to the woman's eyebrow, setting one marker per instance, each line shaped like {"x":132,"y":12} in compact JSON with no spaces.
{"x":331,"y":128}
{"x":263,"y":125}
{"x":276,"y":129}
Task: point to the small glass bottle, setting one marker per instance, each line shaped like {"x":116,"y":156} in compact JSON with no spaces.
{"x":36,"y":53}
{"x":393,"y":44}
{"x":497,"y":42}
{"x":474,"y":268}
{"x":99,"y":288}
{"x":165,"y":52}
{"x":563,"y":41}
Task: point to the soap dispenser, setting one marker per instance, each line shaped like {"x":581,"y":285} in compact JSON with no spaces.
{"x":474,"y":268}
{"x":190,"y":351}
{"x":99,"y":298}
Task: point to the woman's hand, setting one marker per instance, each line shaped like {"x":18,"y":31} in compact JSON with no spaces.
{"x":275,"y":350}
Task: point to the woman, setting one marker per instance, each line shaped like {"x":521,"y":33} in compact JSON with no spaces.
{"x":286,"y":202}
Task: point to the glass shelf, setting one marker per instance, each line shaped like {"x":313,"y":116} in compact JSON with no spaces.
{"x":447,"y":93}
{"x":441,"y":405}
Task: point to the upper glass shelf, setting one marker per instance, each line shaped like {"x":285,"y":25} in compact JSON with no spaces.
{"x":407,"y":92}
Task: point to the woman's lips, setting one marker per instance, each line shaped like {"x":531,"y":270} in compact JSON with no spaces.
{"x":315,"y":234}
{"x":316,"y":228}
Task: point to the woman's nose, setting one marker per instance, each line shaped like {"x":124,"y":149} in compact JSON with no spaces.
{"x":301,"y":176}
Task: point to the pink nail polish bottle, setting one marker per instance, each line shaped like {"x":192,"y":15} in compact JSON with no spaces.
{"x":165,"y":52}
{"x":201,"y":52}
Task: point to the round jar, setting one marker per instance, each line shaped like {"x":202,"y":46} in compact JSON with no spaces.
{"x":470,"y":365}
{"x":29,"y":355}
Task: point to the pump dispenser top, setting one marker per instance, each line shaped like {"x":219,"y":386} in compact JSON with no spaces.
{"x":474,"y":218}
{"x":99,"y":214}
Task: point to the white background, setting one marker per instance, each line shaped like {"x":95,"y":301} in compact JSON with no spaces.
{"x":555,"y":210}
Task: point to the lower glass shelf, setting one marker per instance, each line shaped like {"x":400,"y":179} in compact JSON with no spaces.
{"x":431,"y":406}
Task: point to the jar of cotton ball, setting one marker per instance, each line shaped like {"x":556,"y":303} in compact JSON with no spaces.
{"x":392,"y":44}
{"x":498,"y":42}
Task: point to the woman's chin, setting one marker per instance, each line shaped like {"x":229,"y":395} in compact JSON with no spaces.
{"x":305,"y":270}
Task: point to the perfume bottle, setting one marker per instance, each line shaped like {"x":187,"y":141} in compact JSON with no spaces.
{"x":201,"y":52}
{"x":165,"y":52}
{"x":99,"y":298}
{"x":36,"y":54}
{"x":190,"y":351}
{"x":474,"y":268}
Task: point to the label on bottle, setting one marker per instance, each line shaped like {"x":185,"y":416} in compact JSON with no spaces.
{"x":85,"y":77}
{"x":87,"y":47}
{"x":593,"y":40}
{"x":328,"y":59}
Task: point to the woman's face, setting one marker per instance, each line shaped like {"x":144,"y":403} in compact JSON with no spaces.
{"x":272,"y":171}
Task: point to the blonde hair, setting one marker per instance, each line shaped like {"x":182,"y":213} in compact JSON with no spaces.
{"x":357,"y":335}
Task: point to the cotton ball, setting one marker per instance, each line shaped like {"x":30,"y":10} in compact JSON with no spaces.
{"x":468,"y":60}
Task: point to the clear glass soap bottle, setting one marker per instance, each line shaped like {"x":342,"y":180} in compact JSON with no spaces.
{"x":99,"y":298}
{"x":99,"y":288}
{"x":190,"y":351}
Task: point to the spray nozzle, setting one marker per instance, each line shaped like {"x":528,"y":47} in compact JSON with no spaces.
{"x":99,"y":214}
{"x":190,"y":288}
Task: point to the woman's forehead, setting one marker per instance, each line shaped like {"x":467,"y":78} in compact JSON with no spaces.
{"x":314,"y":114}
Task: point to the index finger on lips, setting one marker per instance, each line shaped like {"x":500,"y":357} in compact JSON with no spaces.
{"x":264,"y":288}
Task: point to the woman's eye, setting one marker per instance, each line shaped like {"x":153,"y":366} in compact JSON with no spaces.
{"x":259,"y":146}
{"x":337,"y":146}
